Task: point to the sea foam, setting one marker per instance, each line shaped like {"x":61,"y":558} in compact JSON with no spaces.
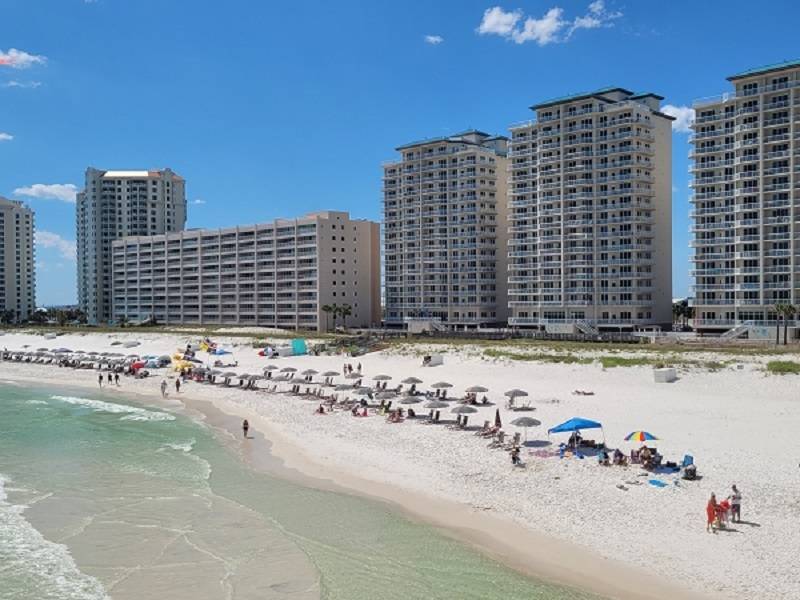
{"x":29,"y":560}
{"x":130,"y":413}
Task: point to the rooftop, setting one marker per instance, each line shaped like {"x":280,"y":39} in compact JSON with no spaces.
{"x":580,"y":96}
{"x":789,"y":64}
{"x":456,"y":137}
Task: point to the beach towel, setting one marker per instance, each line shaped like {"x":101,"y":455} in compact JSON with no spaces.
{"x":657,"y":483}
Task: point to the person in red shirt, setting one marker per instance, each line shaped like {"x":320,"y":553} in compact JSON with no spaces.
{"x":711,"y":513}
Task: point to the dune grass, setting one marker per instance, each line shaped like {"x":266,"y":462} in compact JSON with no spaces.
{"x":783,"y":367}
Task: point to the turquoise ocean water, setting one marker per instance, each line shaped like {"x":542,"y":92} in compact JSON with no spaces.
{"x":100,"y":498}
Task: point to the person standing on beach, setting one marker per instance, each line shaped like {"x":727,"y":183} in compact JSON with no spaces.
{"x":736,"y":504}
{"x":100,"y":380}
{"x":116,"y":379}
{"x":178,"y":385}
{"x":245,"y":427}
{"x":163,"y":388}
{"x":711,"y":513}
{"x":110,"y":378}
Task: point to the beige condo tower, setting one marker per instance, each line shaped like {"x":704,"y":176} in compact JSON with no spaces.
{"x":17,"y":267}
{"x":278,"y":274}
{"x":445,"y":232}
{"x":746,"y":199}
{"x":590,"y":198}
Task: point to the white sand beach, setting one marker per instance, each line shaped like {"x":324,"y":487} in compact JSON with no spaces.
{"x":634,"y":541}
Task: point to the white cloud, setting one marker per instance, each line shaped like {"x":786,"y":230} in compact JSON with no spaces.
{"x":198,"y":201}
{"x":498,"y":22}
{"x":22,"y":84}
{"x":552,"y":27}
{"x":48,"y":239}
{"x":64,"y":192}
{"x":6,"y":137}
{"x":433,"y":39}
{"x":542,"y":31}
{"x":19,"y":59}
{"x":684,"y":117}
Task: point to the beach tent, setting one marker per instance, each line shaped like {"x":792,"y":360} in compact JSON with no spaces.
{"x":299,"y":347}
{"x":575,"y":424}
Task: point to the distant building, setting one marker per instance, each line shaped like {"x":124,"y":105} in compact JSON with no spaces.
{"x":116,"y":204}
{"x":745,"y":200}
{"x":278,"y":274}
{"x":445,"y":231}
{"x":17,"y":267}
{"x":590,"y":198}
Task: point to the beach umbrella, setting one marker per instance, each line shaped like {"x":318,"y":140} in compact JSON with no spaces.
{"x":410,"y":400}
{"x":288,"y":370}
{"x":436,"y":404}
{"x":477,"y":389}
{"x":497,"y":421}
{"x":342,"y":387}
{"x":387,"y":395}
{"x":215,"y":372}
{"x":256,"y":377}
{"x":244,"y":376}
{"x":229,"y":374}
{"x":330,"y":374}
{"x":516,"y":393}
{"x":381,"y":378}
{"x":363,"y":391}
{"x":41,"y":349}
{"x":411,"y":381}
{"x":526,"y":422}
{"x":271,"y":367}
{"x":353,"y":376}
{"x":441,"y":385}
{"x":310,"y":372}
{"x":464,"y":409}
{"x":640,"y":436}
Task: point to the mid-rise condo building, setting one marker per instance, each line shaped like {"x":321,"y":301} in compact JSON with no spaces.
{"x":116,"y":204}
{"x":746,"y":199}
{"x":590,"y":196}
{"x":17,"y":267}
{"x":280,"y":274}
{"x":445,"y":231}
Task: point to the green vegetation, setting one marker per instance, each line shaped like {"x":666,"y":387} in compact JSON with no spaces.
{"x":610,"y":362}
{"x":783,"y":367}
{"x":568,"y":359}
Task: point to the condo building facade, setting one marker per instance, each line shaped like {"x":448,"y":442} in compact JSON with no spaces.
{"x":17,"y":266}
{"x":112,"y":205}
{"x":445,"y":231}
{"x":278,"y":274}
{"x":590,"y":211}
{"x":746,"y":199}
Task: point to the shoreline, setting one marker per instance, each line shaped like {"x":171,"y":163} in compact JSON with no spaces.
{"x":512,"y":544}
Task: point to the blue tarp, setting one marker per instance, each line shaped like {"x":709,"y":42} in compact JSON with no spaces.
{"x":299,"y":347}
{"x":220,"y":352}
{"x":575,"y":424}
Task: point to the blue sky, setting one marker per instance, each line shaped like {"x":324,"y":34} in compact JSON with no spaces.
{"x":274,"y":109}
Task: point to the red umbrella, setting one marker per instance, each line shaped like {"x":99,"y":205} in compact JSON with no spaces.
{"x":137,"y":365}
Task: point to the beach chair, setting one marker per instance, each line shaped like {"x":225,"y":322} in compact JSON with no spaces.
{"x":688,"y":468}
{"x":499,"y":441}
{"x":514,"y":442}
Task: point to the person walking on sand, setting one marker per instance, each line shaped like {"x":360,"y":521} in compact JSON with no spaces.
{"x":110,"y":378}
{"x":178,"y":385}
{"x":116,"y":379}
{"x":711,"y":513}
{"x":163,"y":388}
{"x":736,"y":504}
{"x":245,"y":427}
{"x":100,"y":380}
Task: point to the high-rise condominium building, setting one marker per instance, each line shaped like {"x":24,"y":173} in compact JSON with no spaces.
{"x":116,"y":204}
{"x":17,"y":268}
{"x":590,"y":211}
{"x":746,"y":166}
{"x":279,"y":274}
{"x":445,"y":231}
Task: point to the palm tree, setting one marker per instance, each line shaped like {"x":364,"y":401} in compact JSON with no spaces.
{"x":345,"y":310}
{"x":123,"y":320}
{"x":327,"y":309}
{"x":677,"y":312}
{"x":778,"y":316}
{"x":335,"y":311}
{"x":789,"y":310}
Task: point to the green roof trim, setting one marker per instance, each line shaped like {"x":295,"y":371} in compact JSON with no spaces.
{"x":446,"y":138}
{"x":766,"y":69}
{"x":579,"y":96}
{"x":647,"y":95}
